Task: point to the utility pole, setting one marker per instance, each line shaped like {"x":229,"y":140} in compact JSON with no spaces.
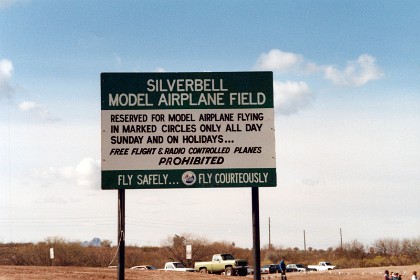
{"x":341,"y":239}
{"x":304,"y":240}
{"x":269,"y":234}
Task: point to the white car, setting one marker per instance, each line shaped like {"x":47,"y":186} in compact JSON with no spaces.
{"x":296,"y":267}
{"x":323,"y":266}
{"x":144,"y":267}
{"x":177,"y":266}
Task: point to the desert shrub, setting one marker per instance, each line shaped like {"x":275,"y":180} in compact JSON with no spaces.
{"x":376,"y":261}
{"x":383,"y":252}
{"x":144,"y":255}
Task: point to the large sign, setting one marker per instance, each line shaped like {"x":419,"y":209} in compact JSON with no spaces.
{"x":187,"y":130}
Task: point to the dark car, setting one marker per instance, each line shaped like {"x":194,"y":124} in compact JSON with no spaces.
{"x":270,"y":268}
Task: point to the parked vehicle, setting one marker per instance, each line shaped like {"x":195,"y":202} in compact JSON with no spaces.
{"x":223,"y":263}
{"x":270,"y":268}
{"x":144,"y":267}
{"x":177,"y":266}
{"x":297,"y":268}
{"x":323,"y":266}
{"x":293,"y":268}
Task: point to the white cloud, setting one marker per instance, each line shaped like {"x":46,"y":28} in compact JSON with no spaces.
{"x":87,"y":173}
{"x":356,"y":73}
{"x":6,"y":72}
{"x":7,"y":3}
{"x":6,"y":69}
{"x":40,"y":111}
{"x":84,"y":174}
{"x":27,"y":105}
{"x":277,"y":60}
{"x":160,"y":70}
{"x":6,"y":88}
{"x":290,"y":97}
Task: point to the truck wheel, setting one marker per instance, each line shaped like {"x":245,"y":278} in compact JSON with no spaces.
{"x":203,"y":270}
{"x":229,"y":271}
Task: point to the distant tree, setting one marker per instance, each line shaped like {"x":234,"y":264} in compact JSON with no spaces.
{"x":354,"y":249}
{"x":387,"y":247}
{"x":106,"y":243}
{"x":274,"y":256}
{"x":383,"y":252}
{"x":411,"y":248}
{"x":175,"y":248}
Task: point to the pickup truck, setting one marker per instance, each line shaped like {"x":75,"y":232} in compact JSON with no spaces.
{"x":223,"y":263}
{"x":296,"y":267}
{"x":322,"y":266}
{"x":177,"y":266}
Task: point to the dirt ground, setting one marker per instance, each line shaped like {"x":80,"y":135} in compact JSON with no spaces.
{"x":85,"y":273}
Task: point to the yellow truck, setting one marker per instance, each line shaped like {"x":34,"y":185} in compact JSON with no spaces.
{"x":223,"y":263}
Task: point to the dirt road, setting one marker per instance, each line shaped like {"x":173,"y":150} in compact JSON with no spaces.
{"x":85,"y":273}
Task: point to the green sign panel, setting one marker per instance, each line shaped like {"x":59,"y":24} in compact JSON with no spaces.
{"x":187,"y":130}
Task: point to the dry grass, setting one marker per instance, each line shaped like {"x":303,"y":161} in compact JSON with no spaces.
{"x":85,"y":273}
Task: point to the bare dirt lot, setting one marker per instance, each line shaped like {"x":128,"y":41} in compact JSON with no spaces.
{"x":84,"y":273}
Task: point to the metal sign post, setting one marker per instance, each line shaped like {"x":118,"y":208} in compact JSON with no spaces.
{"x":256,"y":233}
{"x":121,"y":233}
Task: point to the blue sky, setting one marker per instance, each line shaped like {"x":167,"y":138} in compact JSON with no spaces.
{"x":347,"y":92}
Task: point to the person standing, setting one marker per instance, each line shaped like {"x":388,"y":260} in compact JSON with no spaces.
{"x":282,"y":267}
{"x":414,"y":277}
{"x":386,"y":276}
